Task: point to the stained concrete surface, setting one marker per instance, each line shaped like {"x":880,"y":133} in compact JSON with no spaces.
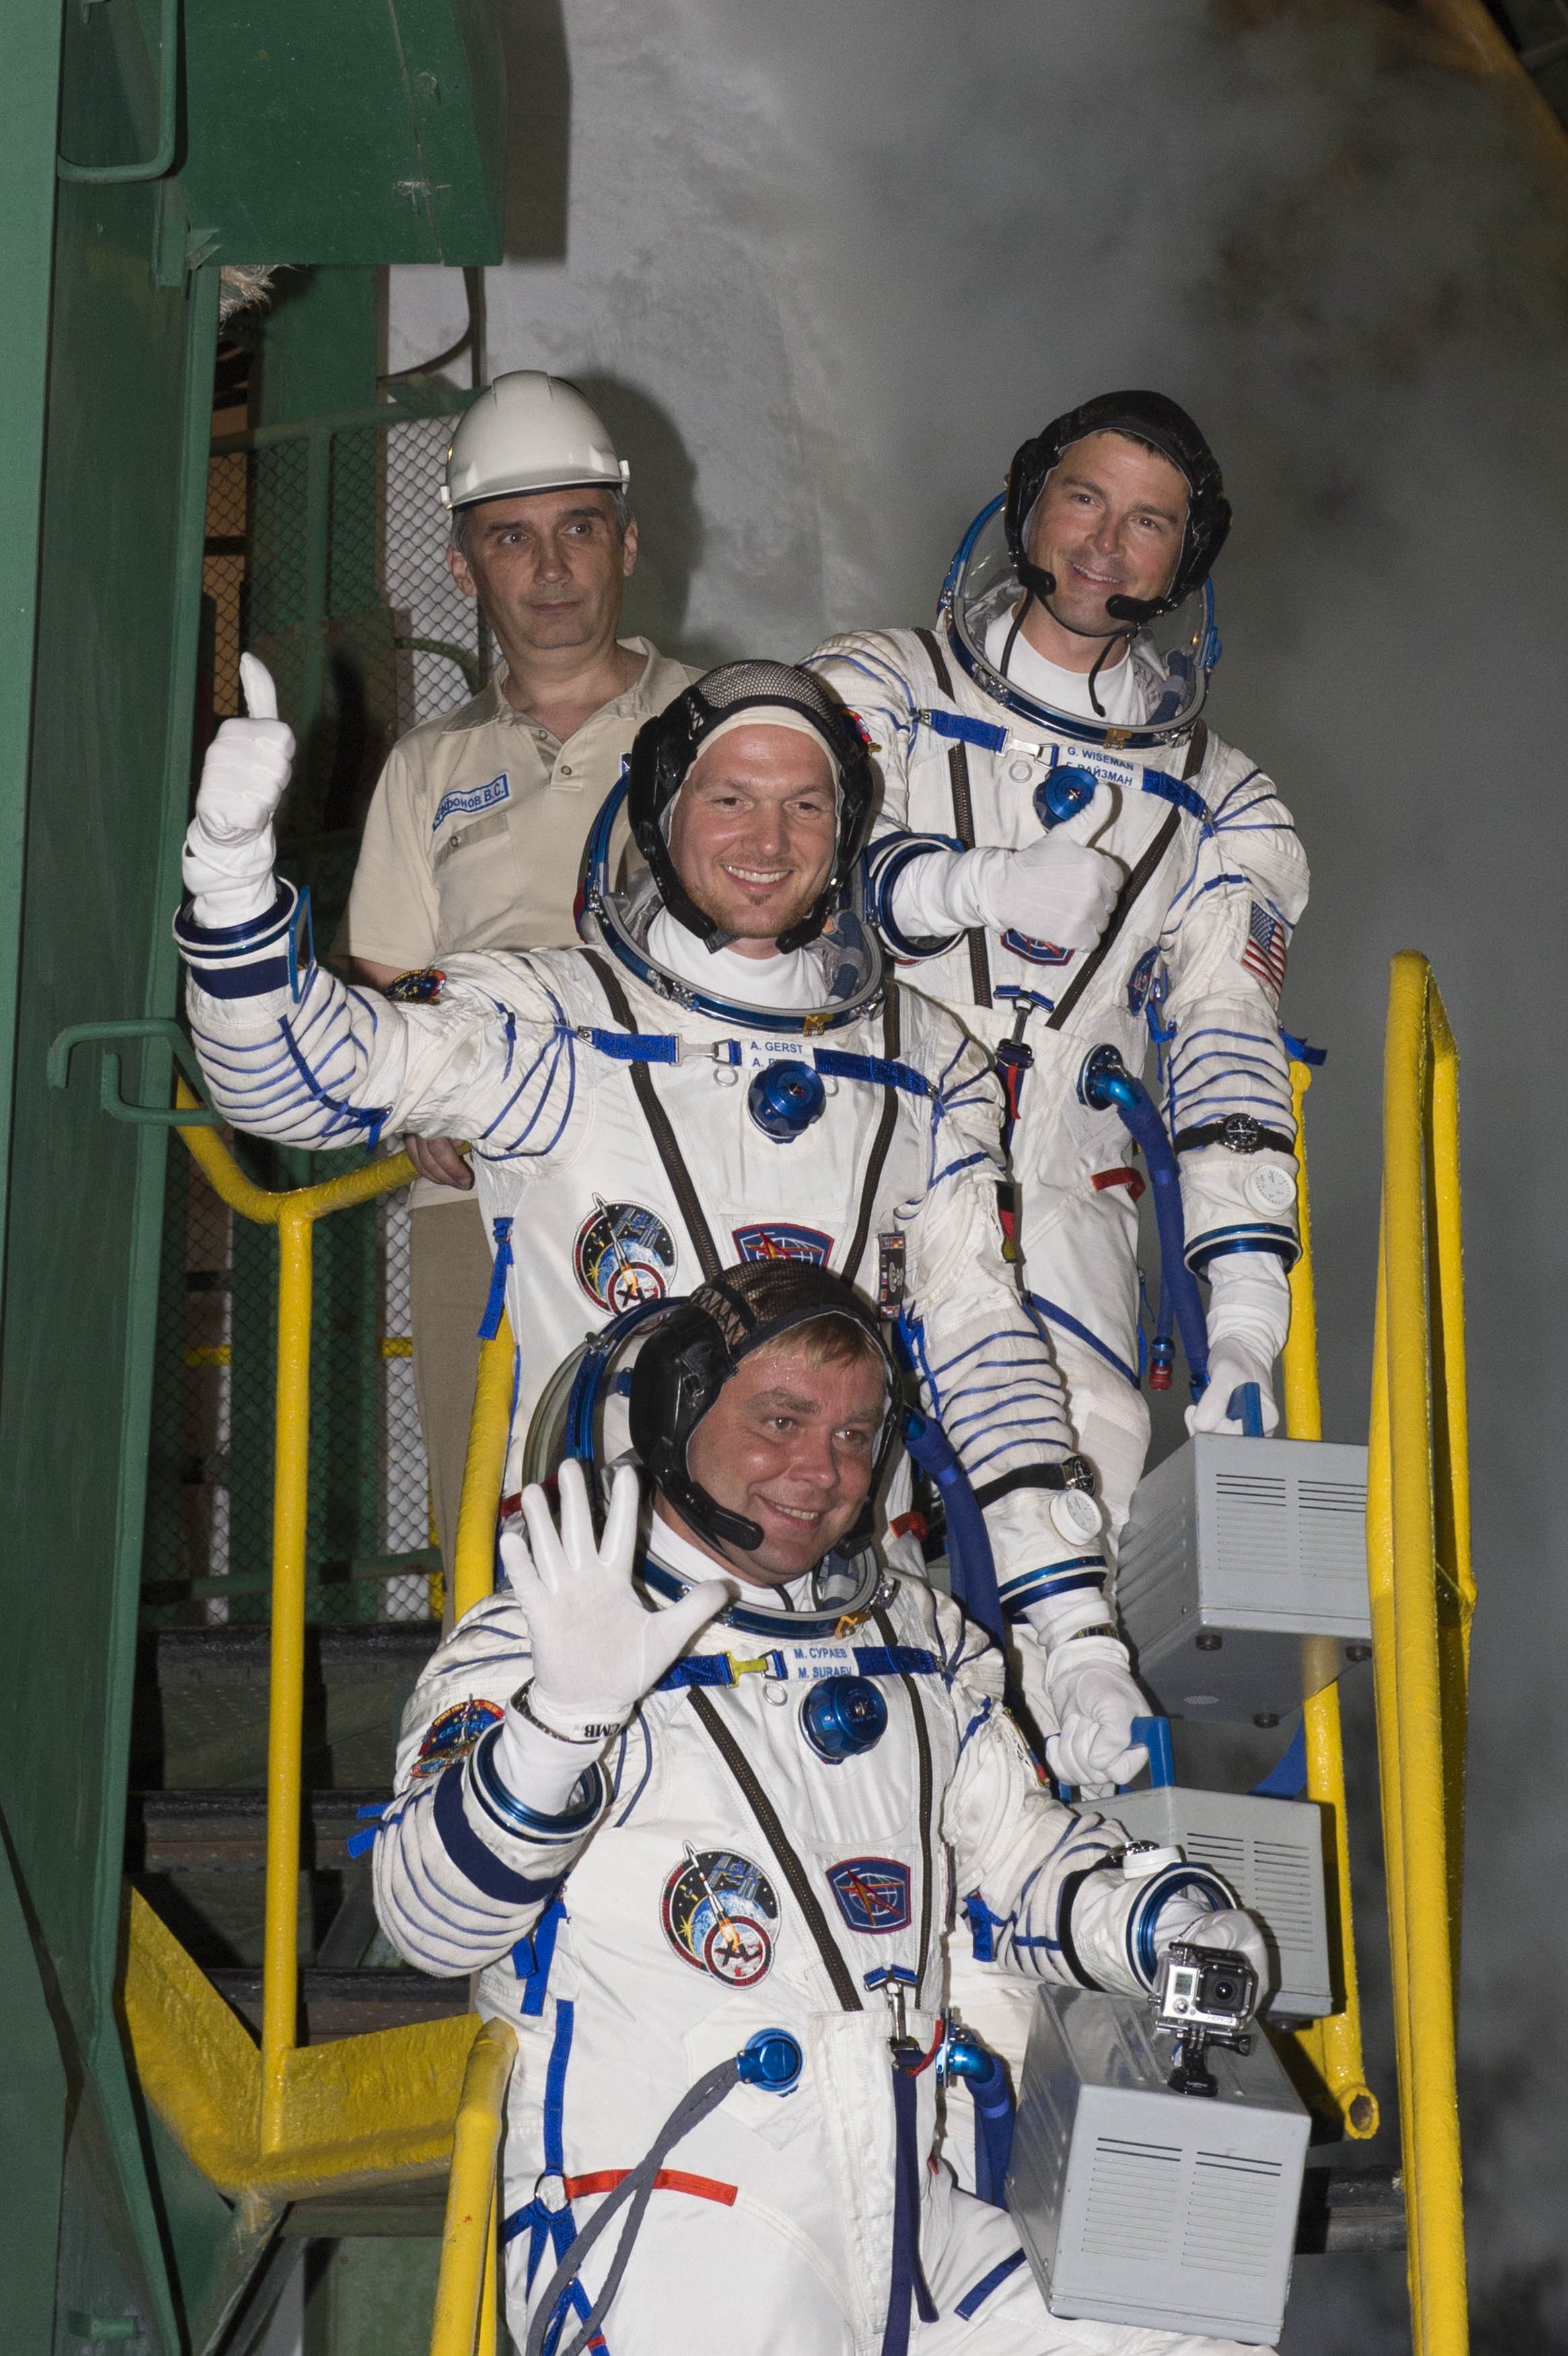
{"x":822,"y":268}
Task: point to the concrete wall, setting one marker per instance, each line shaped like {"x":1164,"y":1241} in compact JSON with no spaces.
{"x":822,"y":268}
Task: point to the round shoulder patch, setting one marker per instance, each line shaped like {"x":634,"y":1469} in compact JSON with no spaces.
{"x":422,"y":988}
{"x":453,"y":1736}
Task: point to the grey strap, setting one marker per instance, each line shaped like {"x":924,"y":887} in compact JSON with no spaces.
{"x":636,"y":2187}
{"x":658,"y":1123}
{"x":963,"y":821}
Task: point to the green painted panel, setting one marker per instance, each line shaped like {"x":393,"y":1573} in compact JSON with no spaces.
{"x":370,"y":2297}
{"x":33,"y":2092}
{"x":366,"y":131}
{"x":318,"y":346}
{"x":27,"y":211}
{"x":108,"y":793}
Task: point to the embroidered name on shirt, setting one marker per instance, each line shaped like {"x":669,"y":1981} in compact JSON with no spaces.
{"x":470,"y":804}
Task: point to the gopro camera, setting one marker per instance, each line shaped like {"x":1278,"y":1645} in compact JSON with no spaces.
{"x":1205,"y":1996}
{"x":1205,"y":1987}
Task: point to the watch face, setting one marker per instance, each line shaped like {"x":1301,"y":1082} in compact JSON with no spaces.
{"x":1076,"y":1515}
{"x":1241,"y":1132}
{"x":1269,"y":1188}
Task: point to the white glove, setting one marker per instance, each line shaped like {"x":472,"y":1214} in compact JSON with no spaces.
{"x":1050,"y":891}
{"x":1054,"y":890}
{"x":229,"y":847}
{"x":597,"y":1647}
{"x":1249,"y":1317}
{"x":1189,"y":1919}
{"x":1093,"y":1701}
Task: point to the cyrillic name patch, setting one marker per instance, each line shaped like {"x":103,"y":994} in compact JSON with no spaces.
{"x":469,"y":803}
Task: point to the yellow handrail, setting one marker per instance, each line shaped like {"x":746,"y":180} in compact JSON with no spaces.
{"x":1417,"y":1504}
{"x":483,"y":1469}
{"x":1333,"y":2045}
{"x":465,"y":2287}
{"x":293,"y":1213}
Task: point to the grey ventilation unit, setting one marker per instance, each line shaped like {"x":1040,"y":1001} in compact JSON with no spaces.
{"x":1139,"y":2206}
{"x":1271,"y":1853}
{"x":1241,"y":1575}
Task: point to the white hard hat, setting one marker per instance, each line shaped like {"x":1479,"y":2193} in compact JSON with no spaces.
{"x":529,"y":431}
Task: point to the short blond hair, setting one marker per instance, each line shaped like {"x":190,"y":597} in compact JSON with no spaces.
{"x":826,"y":1341}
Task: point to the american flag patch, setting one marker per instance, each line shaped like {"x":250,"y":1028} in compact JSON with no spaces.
{"x":1266,"y":944}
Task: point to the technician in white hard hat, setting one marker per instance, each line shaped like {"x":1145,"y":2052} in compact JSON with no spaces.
{"x":477,"y":829}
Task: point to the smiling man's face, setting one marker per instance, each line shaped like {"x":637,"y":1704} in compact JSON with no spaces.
{"x":1108,"y":523}
{"x":753,"y":829}
{"x":792,"y":1447}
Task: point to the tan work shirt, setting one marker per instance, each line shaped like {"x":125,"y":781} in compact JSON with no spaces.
{"x":475,"y":834}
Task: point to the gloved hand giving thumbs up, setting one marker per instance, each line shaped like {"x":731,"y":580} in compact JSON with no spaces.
{"x":229,"y":847}
{"x":1058,"y":889}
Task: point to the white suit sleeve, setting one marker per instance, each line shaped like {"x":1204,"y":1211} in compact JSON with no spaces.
{"x":926,"y":888}
{"x":1225,"y":943}
{"x":290,"y":1051}
{"x":1037,"y":1883}
{"x":463,"y":1864}
{"x":985,"y":1369}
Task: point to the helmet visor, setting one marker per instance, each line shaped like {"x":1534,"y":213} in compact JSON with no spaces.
{"x":1171,"y":656}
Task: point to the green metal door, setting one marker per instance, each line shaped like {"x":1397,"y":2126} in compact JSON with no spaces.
{"x":106,"y":379}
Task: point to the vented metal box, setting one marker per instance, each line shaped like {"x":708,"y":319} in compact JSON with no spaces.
{"x":1271,"y":1853}
{"x":1241,"y":1575}
{"x":1136,"y":2205}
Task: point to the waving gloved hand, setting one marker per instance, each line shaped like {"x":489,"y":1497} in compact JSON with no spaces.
{"x":597,"y":1647}
{"x":229,"y":849}
{"x":1249,"y":1317}
{"x":1182,"y":1917}
{"x":1092,"y":1699}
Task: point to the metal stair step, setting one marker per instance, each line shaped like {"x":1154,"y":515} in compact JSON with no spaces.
{"x":415,"y":2208}
{"x":226,"y":1831}
{"x":1349,"y":2209}
{"x":349,"y":2003}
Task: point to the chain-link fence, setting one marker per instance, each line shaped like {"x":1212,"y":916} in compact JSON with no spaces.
{"x":208,"y":1549}
{"x":326,"y":555}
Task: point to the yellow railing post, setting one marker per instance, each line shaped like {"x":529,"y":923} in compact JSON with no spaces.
{"x":285,"y":1710}
{"x":468,"y":2235}
{"x":293,"y":1213}
{"x":1332,"y":2046}
{"x":1417,"y":1487}
{"x":483,"y":1469}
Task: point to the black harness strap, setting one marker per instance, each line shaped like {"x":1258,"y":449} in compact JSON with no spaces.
{"x":963,"y":820}
{"x":777,"y":1839}
{"x":1129,"y":893}
{"x":659,"y":1128}
{"x":926,"y":1790}
{"x":880,"y":1142}
{"x":675,"y":1167}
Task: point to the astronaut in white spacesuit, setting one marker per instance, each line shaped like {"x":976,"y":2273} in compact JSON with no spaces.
{"x":729,"y":1074}
{"x":701,"y":1809}
{"x":1071,"y":655}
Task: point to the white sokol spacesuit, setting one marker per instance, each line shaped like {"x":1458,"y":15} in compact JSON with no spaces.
{"x":969,"y":728}
{"x":725,"y":1873}
{"x":634,"y":1127}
